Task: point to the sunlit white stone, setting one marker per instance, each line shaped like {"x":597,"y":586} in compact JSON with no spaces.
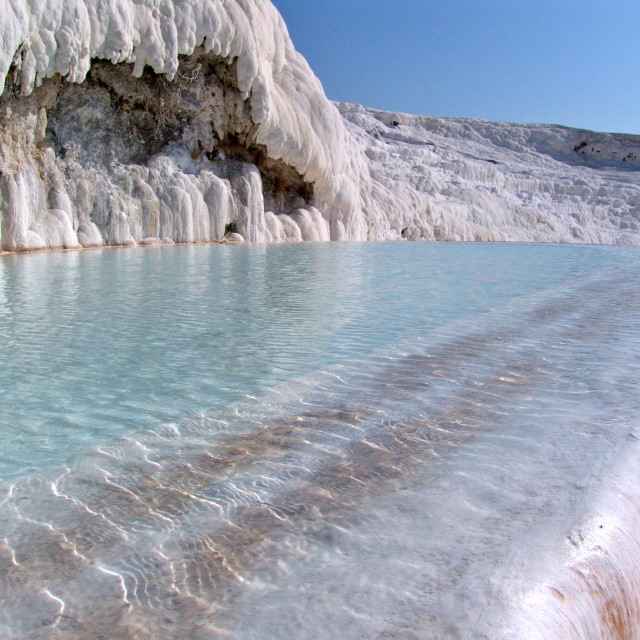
{"x":375,"y":175}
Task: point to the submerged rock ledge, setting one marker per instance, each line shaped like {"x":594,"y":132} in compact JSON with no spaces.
{"x":161,"y":121}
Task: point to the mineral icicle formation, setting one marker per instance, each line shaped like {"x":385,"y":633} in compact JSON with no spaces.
{"x":134,"y":122}
{"x":144,"y":121}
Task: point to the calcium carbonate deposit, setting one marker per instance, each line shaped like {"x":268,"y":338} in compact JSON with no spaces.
{"x":302,"y":441}
{"x":146,"y":121}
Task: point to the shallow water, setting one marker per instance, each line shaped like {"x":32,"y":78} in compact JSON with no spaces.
{"x":98,"y":344}
{"x":319,"y":441}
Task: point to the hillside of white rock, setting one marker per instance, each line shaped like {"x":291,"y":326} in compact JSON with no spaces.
{"x":145,"y":121}
{"x":466,"y":179}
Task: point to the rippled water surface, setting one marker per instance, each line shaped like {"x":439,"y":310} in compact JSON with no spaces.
{"x":319,"y":441}
{"x":98,"y":344}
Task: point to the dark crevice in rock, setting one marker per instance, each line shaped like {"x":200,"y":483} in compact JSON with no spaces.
{"x":283,"y":186}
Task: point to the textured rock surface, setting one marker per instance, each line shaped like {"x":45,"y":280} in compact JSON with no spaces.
{"x":136,"y":122}
{"x":145,"y":121}
{"x":465,"y":179}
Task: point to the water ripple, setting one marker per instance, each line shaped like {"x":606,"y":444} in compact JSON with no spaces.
{"x":384,"y":494}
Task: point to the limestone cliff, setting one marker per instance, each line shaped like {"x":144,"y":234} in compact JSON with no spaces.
{"x":144,"y":121}
{"x":152,"y":121}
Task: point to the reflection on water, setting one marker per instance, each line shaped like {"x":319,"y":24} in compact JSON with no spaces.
{"x":98,"y":344}
{"x":354,"y":441}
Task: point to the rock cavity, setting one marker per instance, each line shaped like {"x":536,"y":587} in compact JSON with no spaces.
{"x":123,"y":160}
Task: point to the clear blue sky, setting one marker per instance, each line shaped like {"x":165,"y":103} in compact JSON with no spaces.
{"x":571,"y":62}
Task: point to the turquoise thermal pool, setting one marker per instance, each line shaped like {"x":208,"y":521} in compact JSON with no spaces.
{"x":386,"y":440}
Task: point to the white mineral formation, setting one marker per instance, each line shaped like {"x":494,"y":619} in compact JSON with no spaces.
{"x":153,"y":120}
{"x":466,"y":179}
{"x":145,"y":121}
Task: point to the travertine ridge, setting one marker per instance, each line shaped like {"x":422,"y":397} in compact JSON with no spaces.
{"x":147,"y":121}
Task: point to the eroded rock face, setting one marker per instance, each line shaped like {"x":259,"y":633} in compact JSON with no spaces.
{"x":148,"y":121}
{"x":122,"y":160}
